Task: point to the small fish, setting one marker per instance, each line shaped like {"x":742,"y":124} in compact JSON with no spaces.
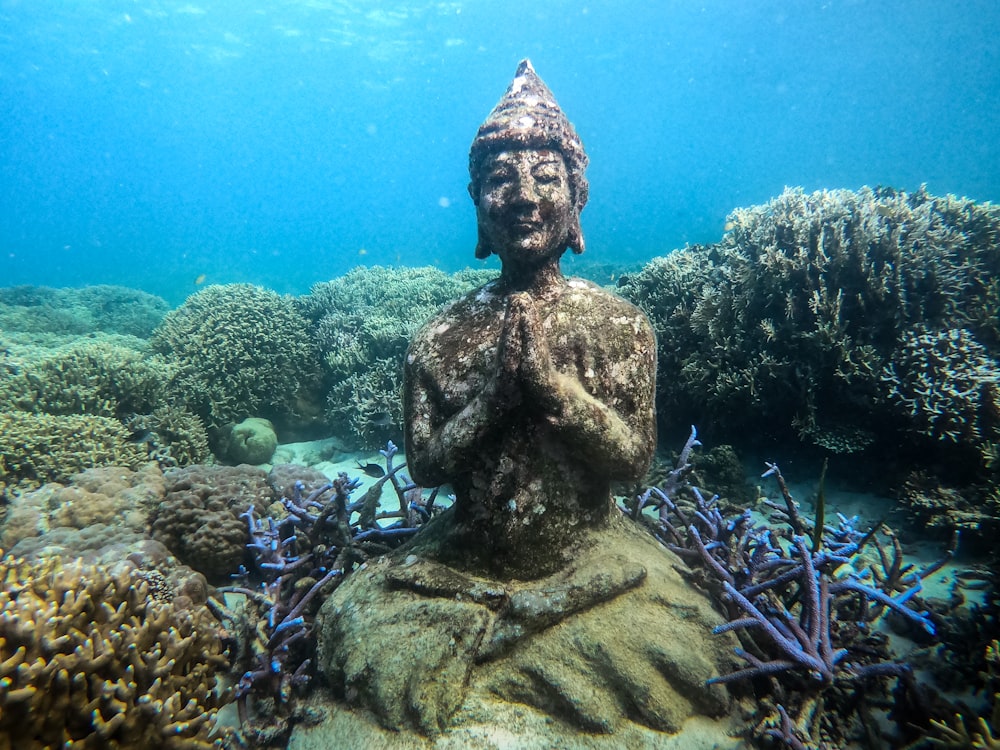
{"x":882,"y":210}
{"x":200,"y":279}
{"x":140,"y":436}
{"x":362,"y":251}
{"x":372,"y":470}
{"x":729,"y":226}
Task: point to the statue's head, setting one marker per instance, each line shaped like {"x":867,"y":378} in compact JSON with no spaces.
{"x":527,"y":169}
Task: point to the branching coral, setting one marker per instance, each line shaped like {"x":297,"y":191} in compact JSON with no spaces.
{"x":943,"y":381}
{"x":88,"y":657}
{"x":241,"y":350}
{"x":297,"y":562}
{"x":113,"y":309}
{"x":794,"y":315}
{"x":803,"y":612}
{"x":98,"y":377}
{"x":39,"y":448}
{"x":362,"y":323}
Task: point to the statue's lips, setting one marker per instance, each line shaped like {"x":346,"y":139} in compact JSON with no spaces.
{"x":526,"y":226}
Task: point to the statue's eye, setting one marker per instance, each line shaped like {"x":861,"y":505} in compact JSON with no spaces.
{"x":497,"y":177}
{"x":548,"y":176}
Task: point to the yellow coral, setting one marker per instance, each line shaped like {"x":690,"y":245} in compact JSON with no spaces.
{"x":89,"y":659}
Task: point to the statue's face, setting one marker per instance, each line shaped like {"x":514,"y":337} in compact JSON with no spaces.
{"x":525,"y":208}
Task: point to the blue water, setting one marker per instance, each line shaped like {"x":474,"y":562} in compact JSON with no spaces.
{"x":149,"y":143}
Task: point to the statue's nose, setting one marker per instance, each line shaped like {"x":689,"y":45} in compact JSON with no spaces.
{"x":525,"y":189}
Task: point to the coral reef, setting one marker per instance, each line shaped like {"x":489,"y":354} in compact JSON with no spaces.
{"x":106,"y":495}
{"x":298,"y":561}
{"x":199,"y":517}
{"x":89,"y":657}
{"x":172,"y":436}
{"x":946,"y":383}
{"x":112,"y":309}
{"x":362,"y":323}
{"x":795,"y":316}
{"x":240,"y":350}
{"x":99,"y":377}
{"x":803,"y":602}
{"x":39,"y":448}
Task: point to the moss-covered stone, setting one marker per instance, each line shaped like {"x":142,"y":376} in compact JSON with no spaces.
{"x":613,"y":645}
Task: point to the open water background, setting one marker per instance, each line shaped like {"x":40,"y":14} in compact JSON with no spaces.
{"x":158,"y":143}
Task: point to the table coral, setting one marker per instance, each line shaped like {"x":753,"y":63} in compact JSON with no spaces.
{"x":89,"y":658}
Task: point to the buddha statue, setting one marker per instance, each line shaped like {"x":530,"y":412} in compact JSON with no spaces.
{"x":531,"y":609}
{"x":530,"y":395}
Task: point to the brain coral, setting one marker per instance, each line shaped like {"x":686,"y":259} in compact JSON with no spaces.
{"x":39,"y":448}
{"x":89,"y":658}
{"x":790,"y":320}
{"x":362,"y":323}
{"x":199,"y":517}
{"x":241,"y":350}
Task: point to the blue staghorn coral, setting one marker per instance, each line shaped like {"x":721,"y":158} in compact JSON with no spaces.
{"x":803,"y":603}
{"x":298,"y":560}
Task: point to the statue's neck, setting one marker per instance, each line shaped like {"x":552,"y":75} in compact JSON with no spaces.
{"x":541,"y":281}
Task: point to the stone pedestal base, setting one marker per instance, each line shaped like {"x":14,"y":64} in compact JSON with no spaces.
{"x":617,"y":645}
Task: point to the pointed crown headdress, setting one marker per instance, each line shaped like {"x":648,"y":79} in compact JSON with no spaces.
{"x":528,"y":117}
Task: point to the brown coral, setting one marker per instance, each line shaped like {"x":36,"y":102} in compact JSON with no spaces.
{"x":199,"y":518}
{"x":241,"y":350}
{"x":105,"y":495}
{"x":89,"y":658}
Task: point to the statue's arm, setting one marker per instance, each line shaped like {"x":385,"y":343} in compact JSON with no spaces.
{"x":615,"y":432}
{"x":440,"y":447}
{"x":618,"y":442}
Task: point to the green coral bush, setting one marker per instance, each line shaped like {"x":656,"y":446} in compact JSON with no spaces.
{"x":108,"y":308}
{"x":362,"y":323}
{"x":89,"y":376}
{"x":794,"y":317}
{"x":240,"y":350}
{"x":39,"y":448}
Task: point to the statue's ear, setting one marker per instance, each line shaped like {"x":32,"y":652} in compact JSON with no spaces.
{"x":574,"y":238}
{"x":483,"y":247}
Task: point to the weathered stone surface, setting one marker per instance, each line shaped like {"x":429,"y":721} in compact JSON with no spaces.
{"x":617,"y":643}
{"x":531,"y":613}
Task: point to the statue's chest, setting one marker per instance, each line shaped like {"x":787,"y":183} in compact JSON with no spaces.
{"x":467,"y":351}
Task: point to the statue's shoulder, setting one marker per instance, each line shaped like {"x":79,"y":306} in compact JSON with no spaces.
{"x":485,"y":298}
{"x":600,"y":304}
{"x":469,"y":309}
